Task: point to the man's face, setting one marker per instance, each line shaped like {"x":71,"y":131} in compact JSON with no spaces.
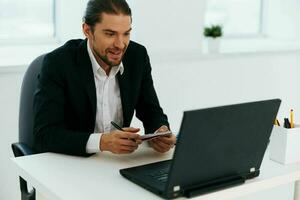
{"x":109,"y":39}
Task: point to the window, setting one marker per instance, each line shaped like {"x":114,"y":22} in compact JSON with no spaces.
{"x":237,"y":17}
{"x":23,"y":20}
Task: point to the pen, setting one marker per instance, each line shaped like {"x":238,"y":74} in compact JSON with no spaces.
{"x":116,"y":126}
{"x":119,"y":128}
{"x":292,"y":118}
{"x":287,"y":123}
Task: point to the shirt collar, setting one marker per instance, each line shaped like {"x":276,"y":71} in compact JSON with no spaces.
{"x":98,"y":69}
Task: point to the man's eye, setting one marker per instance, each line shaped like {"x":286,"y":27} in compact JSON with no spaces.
{"x":109,"y":34}
{"x":127,"y":34}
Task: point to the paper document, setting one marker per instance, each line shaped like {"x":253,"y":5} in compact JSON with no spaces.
{"x":154,"y":135}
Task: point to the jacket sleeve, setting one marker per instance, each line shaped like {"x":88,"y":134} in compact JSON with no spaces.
{"x":148,"y":109}
{"x":50,"y":130}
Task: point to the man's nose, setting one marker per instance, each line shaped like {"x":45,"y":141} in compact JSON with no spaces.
{"x":119,"y":43}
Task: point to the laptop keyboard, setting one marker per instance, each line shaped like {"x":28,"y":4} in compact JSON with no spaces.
{"x":160,"y":175}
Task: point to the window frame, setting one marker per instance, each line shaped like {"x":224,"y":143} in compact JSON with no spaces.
{"x":259,"y":34}
{"x":35,"y":40}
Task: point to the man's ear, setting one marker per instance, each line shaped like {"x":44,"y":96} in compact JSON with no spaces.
{"x":87,"y":31}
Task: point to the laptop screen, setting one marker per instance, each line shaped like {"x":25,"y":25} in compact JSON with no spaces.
{"x":222,"y":142}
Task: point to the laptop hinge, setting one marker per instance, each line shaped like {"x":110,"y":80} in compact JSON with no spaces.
{"x":213,"y":185}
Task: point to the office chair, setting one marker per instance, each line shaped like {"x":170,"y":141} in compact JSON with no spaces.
{"x":25,"y":145}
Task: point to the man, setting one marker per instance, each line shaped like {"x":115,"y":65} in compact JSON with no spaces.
{"x":86,"y":84}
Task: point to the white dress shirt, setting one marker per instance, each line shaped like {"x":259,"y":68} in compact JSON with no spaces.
{"x":109,"y":105}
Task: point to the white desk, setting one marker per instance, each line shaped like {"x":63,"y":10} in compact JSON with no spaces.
{"x":62,"y":177}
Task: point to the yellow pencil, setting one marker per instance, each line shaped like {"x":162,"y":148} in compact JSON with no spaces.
{"x":276,"y":122}
{"x":292,"y":119}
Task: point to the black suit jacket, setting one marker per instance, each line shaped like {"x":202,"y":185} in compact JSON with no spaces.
{"x":65,"y":98}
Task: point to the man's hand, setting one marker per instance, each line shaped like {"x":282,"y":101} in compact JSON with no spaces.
{"x":164,"y":143}
{"x":121,"y":142}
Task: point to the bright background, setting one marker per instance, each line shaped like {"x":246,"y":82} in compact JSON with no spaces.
{"x":259,"y":59}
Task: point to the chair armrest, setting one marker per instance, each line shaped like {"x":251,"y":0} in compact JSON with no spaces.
{"x":21,"y":149}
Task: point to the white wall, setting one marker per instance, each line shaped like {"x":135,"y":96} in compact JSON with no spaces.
{"x":197,"y":81}
{"x":175,"y":22}
{"x":69,"y":15}
{"x":10,"y":84}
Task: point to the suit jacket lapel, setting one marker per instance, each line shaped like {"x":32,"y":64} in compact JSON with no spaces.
{"x":124,"y":86}
{"x":87,"y":74}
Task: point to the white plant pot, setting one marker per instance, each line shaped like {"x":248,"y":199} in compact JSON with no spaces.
{"x":213,"y":45}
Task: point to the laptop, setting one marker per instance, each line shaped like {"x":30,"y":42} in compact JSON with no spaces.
{"x":216,"y":148}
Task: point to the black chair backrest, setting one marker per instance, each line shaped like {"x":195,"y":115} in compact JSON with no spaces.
{"x":26,"y":101}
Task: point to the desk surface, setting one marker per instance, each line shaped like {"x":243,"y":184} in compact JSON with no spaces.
{"x":65,"y":177}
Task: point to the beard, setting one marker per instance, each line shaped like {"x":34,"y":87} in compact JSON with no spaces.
{"x":106,"y":59}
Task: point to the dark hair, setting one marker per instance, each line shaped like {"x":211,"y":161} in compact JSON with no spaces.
{"x":95,"y":8}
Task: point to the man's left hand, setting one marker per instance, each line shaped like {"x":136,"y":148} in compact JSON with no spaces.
{"x":163,"y":144}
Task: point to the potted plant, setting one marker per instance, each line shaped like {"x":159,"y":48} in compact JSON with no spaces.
{"x":213,"y":35}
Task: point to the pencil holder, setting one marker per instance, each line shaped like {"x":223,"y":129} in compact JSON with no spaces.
{"x":285,"y":144}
